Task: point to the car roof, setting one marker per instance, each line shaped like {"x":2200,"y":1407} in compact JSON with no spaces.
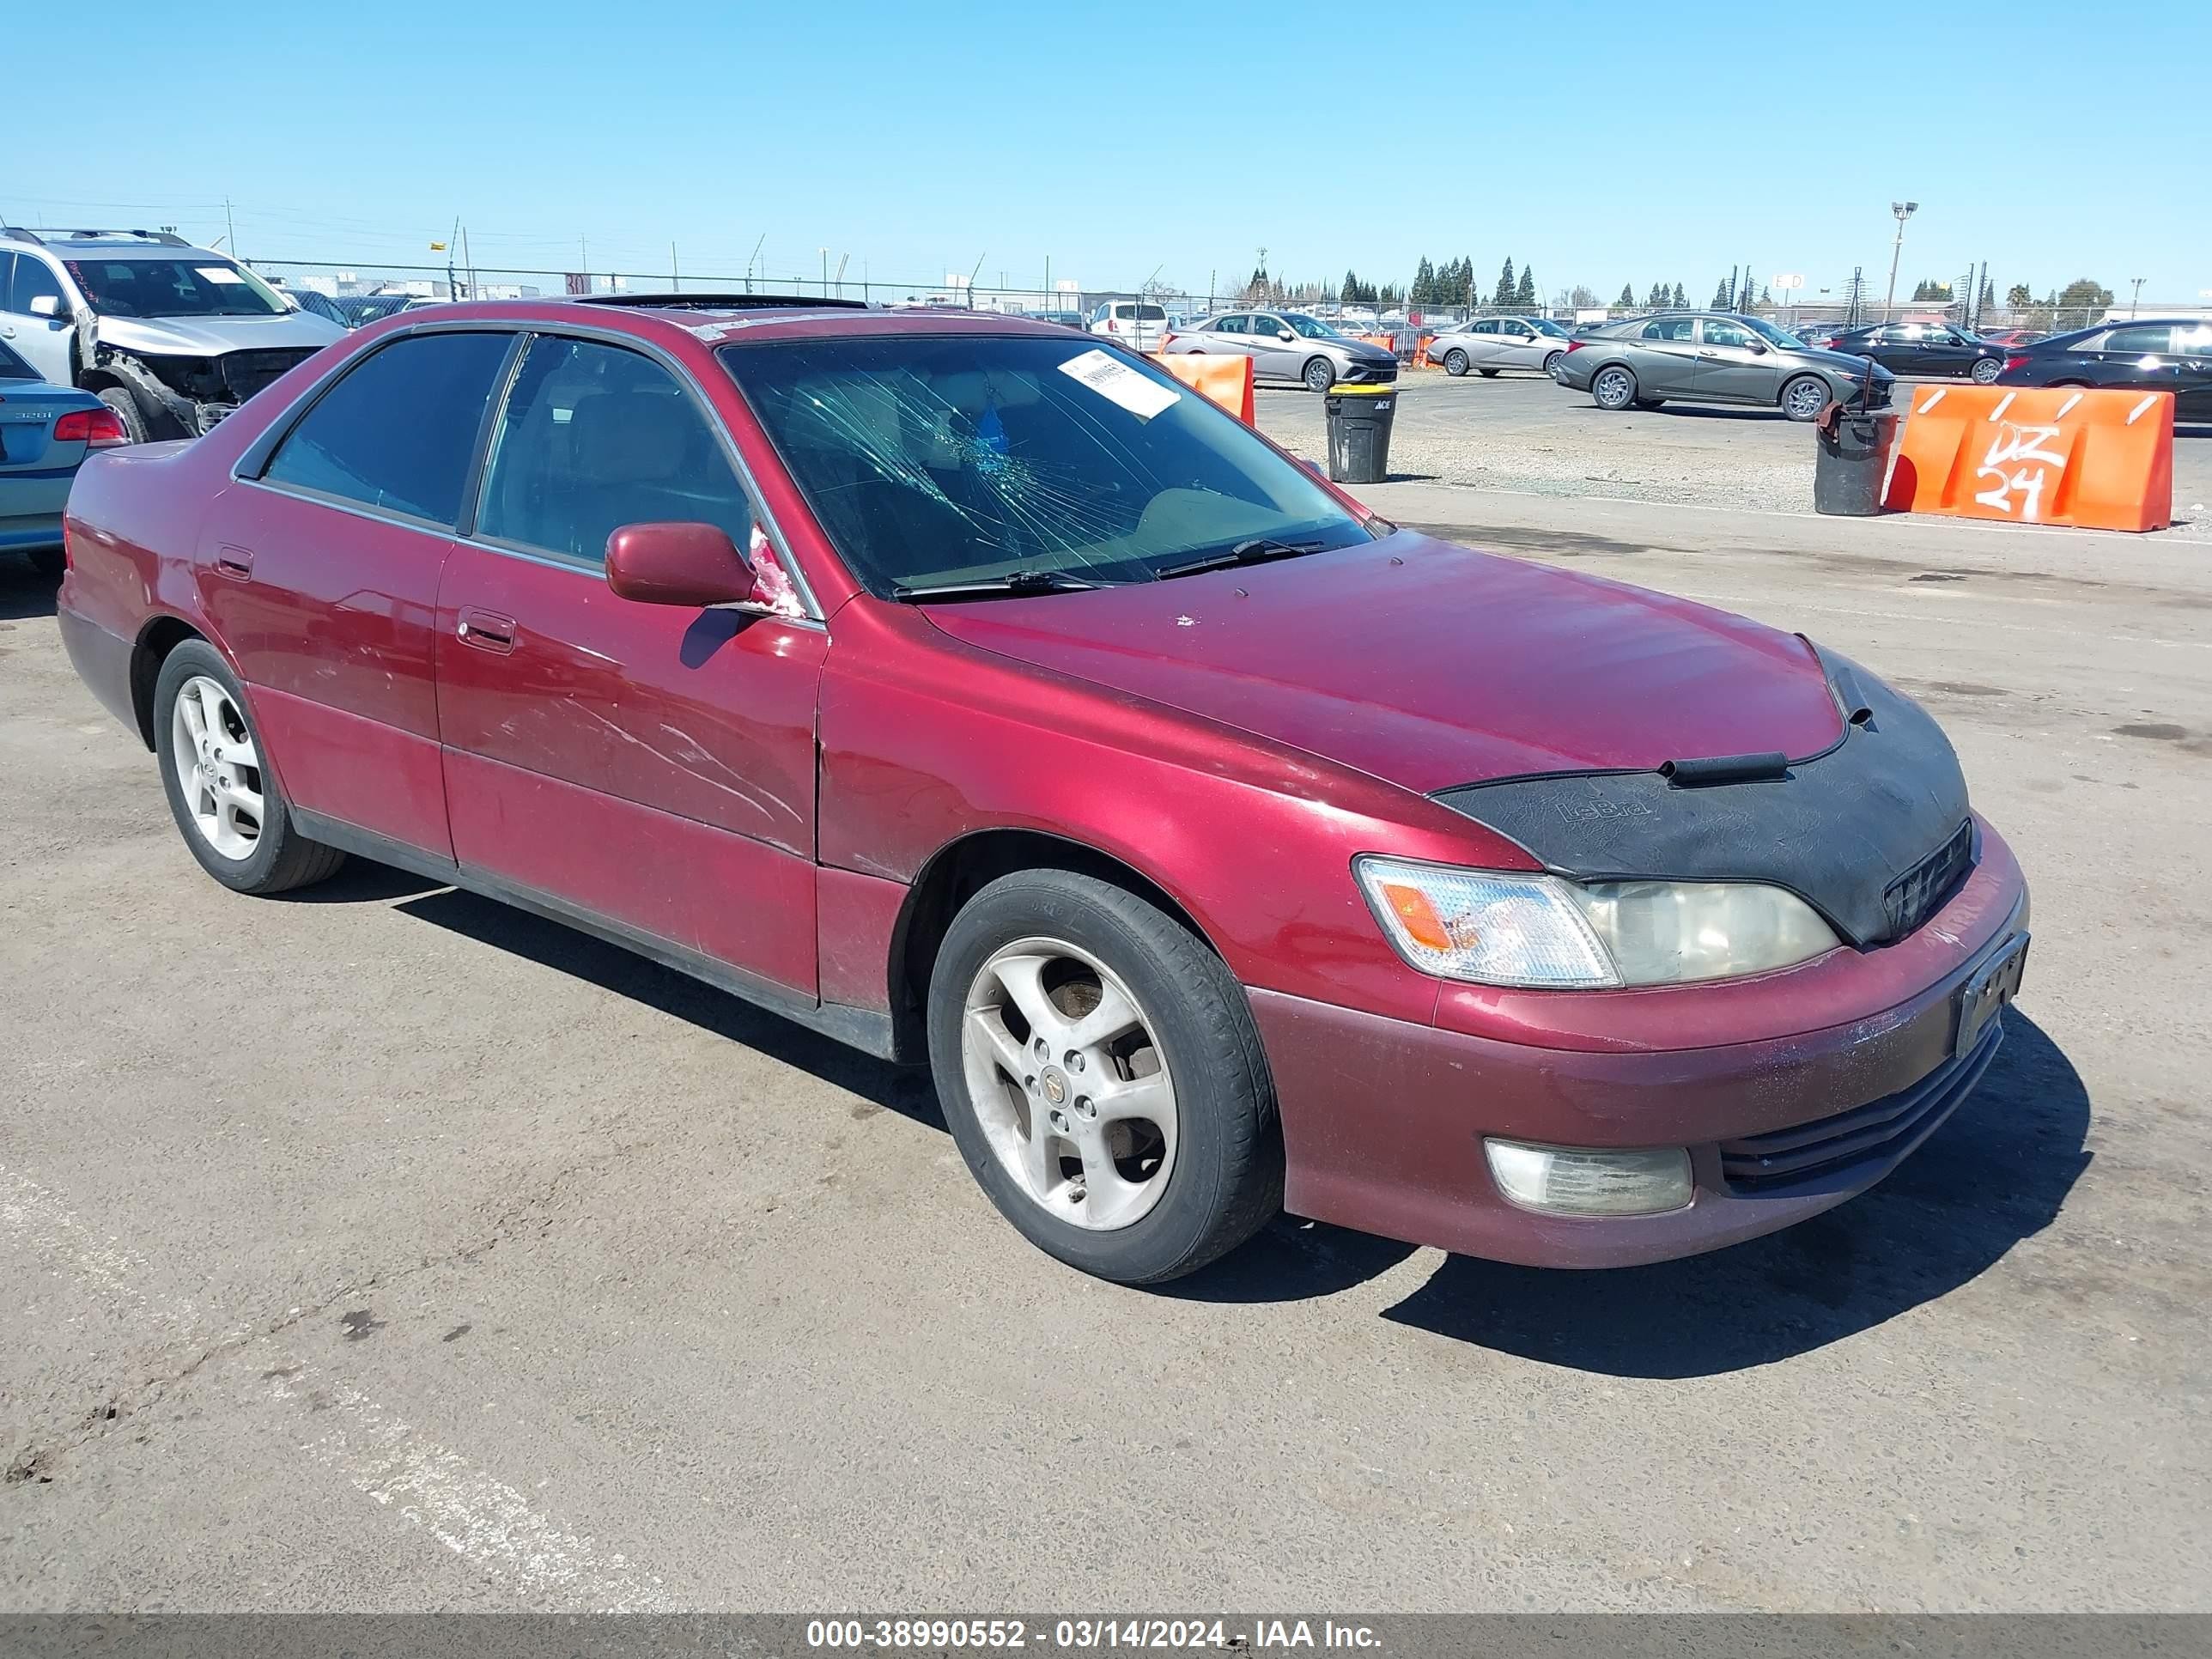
{"x":735,"y":324}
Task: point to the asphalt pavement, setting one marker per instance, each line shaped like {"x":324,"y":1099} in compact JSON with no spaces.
{"x":384,"y":1249}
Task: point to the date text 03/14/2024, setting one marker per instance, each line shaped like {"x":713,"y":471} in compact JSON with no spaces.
{"x":1089,"y":1635}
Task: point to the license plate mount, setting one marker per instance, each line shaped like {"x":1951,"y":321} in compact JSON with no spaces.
{"x":1987,"y":990}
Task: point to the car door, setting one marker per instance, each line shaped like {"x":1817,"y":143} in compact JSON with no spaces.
{"x":2192,"y":347}
{"x":1734,"y":365}
{"x":1481,"y":343}
{"x":1517,"y":344}
{"x":42,"y":340}
{"x":2141,"y":356}
{"x":319,"y":575}
{"x":1232,"y":337}
{"x":1664,"y":355}
{"x":649,"y":768}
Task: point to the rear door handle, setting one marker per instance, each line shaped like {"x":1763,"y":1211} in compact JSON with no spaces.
{"x":235,"y":563}
{"x":486,"y":630}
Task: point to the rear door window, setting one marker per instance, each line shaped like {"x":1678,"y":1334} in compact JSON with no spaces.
{"x":399,"y":431}
{"x":594,"y":437}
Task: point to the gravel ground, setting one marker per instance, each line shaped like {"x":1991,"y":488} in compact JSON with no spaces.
{"x":1521,"y":432}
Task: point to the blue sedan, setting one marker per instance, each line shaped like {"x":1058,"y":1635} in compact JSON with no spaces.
{"x":45,"y":432}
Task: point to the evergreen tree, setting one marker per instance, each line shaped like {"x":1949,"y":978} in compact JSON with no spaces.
{"x":1423,"y":291}
{"x":1720,"y":295}
{"x":1765,"y":296}
{"x":1658,"y":297}
{"x":1628,"y":300}
{"x":1505,"y":286}
{"x":1351,"y":290}
{"x":1680,"y":299}
{"x":1988,"y":296}
{"x":1525,"y":295}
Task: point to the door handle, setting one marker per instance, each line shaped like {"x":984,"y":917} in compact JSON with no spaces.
{"x":235,"y":563}
{"x":485,"y":630}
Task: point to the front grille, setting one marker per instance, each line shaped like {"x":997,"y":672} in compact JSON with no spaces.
{"x":247,"y":372}
{"x":1841,"y":1150}
{"x":1921,"y":891}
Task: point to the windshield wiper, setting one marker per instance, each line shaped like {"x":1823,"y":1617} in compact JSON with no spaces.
{"x":1016,"y":582}
{"x":1258,"y":550}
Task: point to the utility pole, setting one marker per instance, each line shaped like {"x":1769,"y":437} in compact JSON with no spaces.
{"x":754,"y":255}
{"x":468,"y":262}
{"x":825,"y":273}
{"x":1903,"y":211}
{"x":229,"y":230}
{"x":675,"y":275}
{"x":2137,"y":298}
{"x":584,"y":259}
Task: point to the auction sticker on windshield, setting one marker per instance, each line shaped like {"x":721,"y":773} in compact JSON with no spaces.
{"x":1118,"y":383}
{"x":218,"y":274}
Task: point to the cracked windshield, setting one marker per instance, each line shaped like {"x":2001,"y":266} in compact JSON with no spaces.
{"x":1010,"y":462}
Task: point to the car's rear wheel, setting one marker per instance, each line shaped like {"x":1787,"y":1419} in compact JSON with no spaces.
{"x":1613,"y":387}
{"x":1804,"y":397}
{"x":1320,"y":374}
{"x":1100,"y":1073}
{"x":1488,"y":374}
{"x":220,"y":789}
{"x":1455,"y":362}
{"x":138,"y":425}
{"x":1986,"y":370}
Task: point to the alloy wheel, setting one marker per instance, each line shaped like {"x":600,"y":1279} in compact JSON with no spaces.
{"x":1069,"y":1083}
{"x":1805,"y":398}
{"x":218,"y":767}
{"x":1986,"y":370}
{"x":1614,"y":388}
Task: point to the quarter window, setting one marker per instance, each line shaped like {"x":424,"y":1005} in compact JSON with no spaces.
{"x":1669,"y":328}
{"x":594,"y":437}
{"x":1230,"y":325}
{"x":399,"y":431}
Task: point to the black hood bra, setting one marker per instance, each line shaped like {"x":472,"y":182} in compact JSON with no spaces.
{"x":1872,"y":832}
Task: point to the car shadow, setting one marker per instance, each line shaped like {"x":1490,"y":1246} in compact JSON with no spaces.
{"x":1996,"y":1173}
{"x":24,"y":593}
{"x":905,"y":1090}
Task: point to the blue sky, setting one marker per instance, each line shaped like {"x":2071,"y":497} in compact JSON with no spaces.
{"x":1604,"y":143}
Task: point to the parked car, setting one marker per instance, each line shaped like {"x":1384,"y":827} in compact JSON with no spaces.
{"x":45,"y":432}
{"x":1925,"y":351}
{"x":1714,"y":357}
{"x":1490,"y":343}
{"x":1061,"y":319}
{"x":1288,"y":345}
{"x":1137,"y":324}
{"x":170,"y":337}
{"x":2151,"y":355}
{"x":2014,"y":336}
{"x":317,"y":302}
{"x":1220,"y":846}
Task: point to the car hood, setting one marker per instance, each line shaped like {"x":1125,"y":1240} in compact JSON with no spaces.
{"x":211,"y":336}
{"x":1430,"y":664}
{"x":1365,"y":350}
{"x":1844,"y":362}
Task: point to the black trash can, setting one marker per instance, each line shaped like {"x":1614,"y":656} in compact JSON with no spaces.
{"x":1853,"y":460}
{"x":1359,"y":433}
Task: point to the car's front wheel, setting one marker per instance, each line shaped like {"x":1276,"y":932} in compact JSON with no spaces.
{"x":1613,"y":387}
{"x":1804,"y":397}
{"x":1986,"y":370}
{"x":220,"y":789}
{"x":1100,"y":1073}
{"x":1320,"y":374}
{"x":137,"y":427}
{"x":1455,"y":362}
{"x":1552,"y":362}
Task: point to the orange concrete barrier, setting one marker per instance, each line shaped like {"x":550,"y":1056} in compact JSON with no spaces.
{"x":1226,"y":380}
{"x":2096,"y":461}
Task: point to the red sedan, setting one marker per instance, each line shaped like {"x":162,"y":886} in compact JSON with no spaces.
{"x":972,"y":692}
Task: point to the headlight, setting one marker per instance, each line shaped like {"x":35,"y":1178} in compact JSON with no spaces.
{"x":1494,"y":928}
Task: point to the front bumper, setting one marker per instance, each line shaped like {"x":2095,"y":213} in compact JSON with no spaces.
{"x":1384,"y":1120}
{"x":1367,"y":374}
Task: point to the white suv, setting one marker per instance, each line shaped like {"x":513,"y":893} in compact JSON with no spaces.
{"x":172,"y":337}
{"x":1137,"y":324}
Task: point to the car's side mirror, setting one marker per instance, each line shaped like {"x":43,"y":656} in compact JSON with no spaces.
{"x":1284,"y":334}
{"x":47,"y":305}
{"x":1757,"y":346}
{"x":688,"y":564}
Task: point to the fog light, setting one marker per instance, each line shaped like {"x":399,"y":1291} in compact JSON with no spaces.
{"x":1583,"y":1181}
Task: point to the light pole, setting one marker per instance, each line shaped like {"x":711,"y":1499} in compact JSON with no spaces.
{"x":1903,"y":211}
{"x":825,"y":272}
{"x":2136,"y":299}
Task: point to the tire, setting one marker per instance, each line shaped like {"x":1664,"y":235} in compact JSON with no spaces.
{"x":1551,"y":361}
{"x":1985,"y":371}
{"x":1487,"y":373}
{"x":1319,"y":374}
{"x":274,"y":857}
{"x":1651,"y":403}
{"x":48,"y":563}
{"x":1213,"y":1145}
{"x":1803,"y":398}
{"x":138,"y":426}
{"x":1613,"y":388}
{"x":1455,"y":362}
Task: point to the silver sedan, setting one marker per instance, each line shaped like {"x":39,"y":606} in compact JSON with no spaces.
{"x":1287,"y":345}
{"x":1714,"y":357}
{"x":1490,"y":343}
